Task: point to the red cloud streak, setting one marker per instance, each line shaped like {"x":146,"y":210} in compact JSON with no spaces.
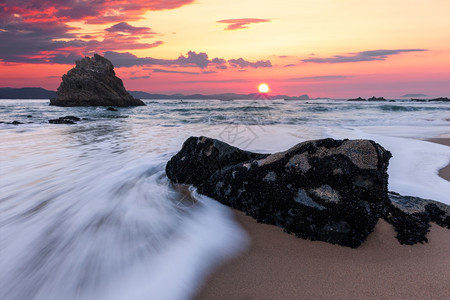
{"x":236,"y":24}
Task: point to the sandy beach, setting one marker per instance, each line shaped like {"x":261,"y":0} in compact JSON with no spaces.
{"x":280,"y":266}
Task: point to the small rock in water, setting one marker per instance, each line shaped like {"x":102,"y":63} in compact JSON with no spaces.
{"x":16,"y":123}
{"x":111,"y":109}
{"x":65,"y":120}
{"x":29,"y":116}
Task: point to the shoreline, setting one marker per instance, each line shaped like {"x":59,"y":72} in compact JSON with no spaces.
{"x":444,"y":172}
{"x":278,"y":265}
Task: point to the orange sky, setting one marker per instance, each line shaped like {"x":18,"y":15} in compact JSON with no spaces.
{"x":321,"y":48}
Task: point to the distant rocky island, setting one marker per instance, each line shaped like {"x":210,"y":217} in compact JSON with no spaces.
{"x":370,"y":99}
{"x":93,"y":82}
{"x":382,"y":99}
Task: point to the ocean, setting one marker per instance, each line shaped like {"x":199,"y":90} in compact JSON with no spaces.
{"x":87,"y":212}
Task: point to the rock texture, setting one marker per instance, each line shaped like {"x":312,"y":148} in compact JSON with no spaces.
{"x":93,"y":82}
{"x":411,"y":217}
{"x":328,"y":190}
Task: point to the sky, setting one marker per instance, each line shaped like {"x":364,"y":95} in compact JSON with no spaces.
{"x":323,"y":48}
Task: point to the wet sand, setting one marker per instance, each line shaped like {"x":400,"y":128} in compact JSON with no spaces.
{"x":280,"y":266}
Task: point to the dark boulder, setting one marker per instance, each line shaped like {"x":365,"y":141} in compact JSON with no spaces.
{"x":111,"y":109}
{"x":329,"y":190}
{"x":93,"y":82}
{"x":65,"y":120}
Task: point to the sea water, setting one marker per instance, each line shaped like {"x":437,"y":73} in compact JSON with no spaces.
{"x":87,"y":212}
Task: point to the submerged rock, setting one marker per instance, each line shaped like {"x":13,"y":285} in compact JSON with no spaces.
{"x":329,"y":190}
{"x":93,"y":82}
{"x":64,"y":120}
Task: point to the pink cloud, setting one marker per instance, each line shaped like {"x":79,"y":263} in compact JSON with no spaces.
{"x":236,"y":24}
{"x":124,"y":27}
{"x":371,"y":55}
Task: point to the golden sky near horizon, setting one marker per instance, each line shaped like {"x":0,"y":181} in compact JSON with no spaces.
{"x":321,"y":48}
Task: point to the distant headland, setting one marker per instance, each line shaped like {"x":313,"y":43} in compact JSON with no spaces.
{"x":40,"y":93}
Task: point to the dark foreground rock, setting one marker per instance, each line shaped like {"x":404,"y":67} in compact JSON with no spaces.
{"x":93,"y":82}
{"x":328,"y":190}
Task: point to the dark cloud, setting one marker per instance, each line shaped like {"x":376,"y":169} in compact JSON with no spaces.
{"x":118,"y":43}
{"x":174,"y":72}
{"x":98,"y":11}
{"x":236,"y":24}
{"x":240,"y":80}
{"x":361,"y":56}
{"x":139,"y":77}
{"x":127,"y":28}
{"x":130,"y":60}
{"x":193,"y":59}
{"x":289,"y":65}
{"x":35,"y":31}
{"x":317,"y":78}
{"x":242,"y":63}
{"x":219,"y":61}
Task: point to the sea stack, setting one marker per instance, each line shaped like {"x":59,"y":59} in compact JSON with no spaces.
{"x":93,"y":82}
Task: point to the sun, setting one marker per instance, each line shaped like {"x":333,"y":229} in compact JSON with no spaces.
{"x":263,"y":88}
